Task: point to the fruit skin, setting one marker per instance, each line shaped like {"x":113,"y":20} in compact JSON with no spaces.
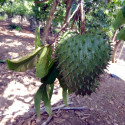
{"x":81,"y":59}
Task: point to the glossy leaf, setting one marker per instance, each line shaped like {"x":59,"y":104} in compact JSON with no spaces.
{"x":26,"y":62}
{"x":44,"y":62}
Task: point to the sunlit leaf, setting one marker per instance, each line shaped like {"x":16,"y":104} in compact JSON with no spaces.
{"x":44,"y":62}
{"x":37,"y":38}
{"x":38,"y":97}
{"x":26,"y":62}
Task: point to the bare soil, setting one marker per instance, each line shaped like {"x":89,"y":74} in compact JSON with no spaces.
{"x":105,"y":107}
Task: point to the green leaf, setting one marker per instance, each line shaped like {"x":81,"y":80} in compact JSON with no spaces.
{"x":38,"y":97}
{"x":64,"y":92}
{"x":37,"y":38}
{"x":51,"y":76}
{"x":44,"y":93}
{"x":26,"y":62}
{"x":123,"y":11}
{"x":120,"y":20}
{"x":121,"y":34}
{"x":47,"y":103}
{"x":65,"y":96}
{"x":44,"y":62}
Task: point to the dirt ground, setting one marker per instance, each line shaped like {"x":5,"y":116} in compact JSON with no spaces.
{"x":105,"y":107}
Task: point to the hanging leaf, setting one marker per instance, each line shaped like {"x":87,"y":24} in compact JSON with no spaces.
{"x":51,"y":76}
{"x":47,"y":102}
{"x":38,"y":97}
{"x":64,"y":92}
{"x":121,"y":34}
{"x":45,"y":62}
{"x":26,"y":62}
{"x":44,"y":93}
{"x":37,"y":38}
{"x":65,"y":96}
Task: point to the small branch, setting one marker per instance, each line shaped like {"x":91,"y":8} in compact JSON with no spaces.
{"x":46,"y":29}
{"x":64,"y":26}
{"x":114,"y":36}
{"x":62,"y":107}
{"x":47,"y":121}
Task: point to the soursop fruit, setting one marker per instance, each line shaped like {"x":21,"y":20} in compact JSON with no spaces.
{"x":81,"y":59}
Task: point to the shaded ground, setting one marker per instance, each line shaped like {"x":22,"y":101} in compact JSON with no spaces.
{"x":105,"y":107}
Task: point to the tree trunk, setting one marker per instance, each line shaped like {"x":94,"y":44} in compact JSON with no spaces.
{"x":46,"y":29}
{"x":82,"y":26}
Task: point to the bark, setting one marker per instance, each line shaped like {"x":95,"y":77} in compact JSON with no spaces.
{"x":74,"y":19}
{"x":82,"y":26}
{"x":115,"y":50}
{"x":46,"y":29}
{"x":68,"y":9}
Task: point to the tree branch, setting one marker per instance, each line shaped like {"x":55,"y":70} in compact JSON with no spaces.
{"x":46,"y":29}
{"x":82,"y":26}
{"x":64,"y":26}
{"x":115,"y":50}
{"x":68,"y":9}
{"x":74,"y":19}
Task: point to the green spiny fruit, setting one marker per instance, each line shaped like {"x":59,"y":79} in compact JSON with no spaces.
{"x":80,"y":60}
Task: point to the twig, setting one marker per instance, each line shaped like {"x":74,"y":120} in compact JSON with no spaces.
{"x":74,"y":108}
{"x":62,"y":107}
{"x":54,"y":108}
{"x":47,"y":121}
